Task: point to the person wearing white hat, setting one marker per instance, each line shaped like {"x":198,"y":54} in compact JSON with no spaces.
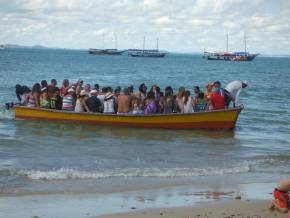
{"x":94,"y":102}
{"x":81,"y":103}
{"x":109,"y":102}
{"x":234,"y":88}
{"x":68,"y":100}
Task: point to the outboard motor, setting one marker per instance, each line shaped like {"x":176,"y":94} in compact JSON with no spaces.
{"x":8,"y":106}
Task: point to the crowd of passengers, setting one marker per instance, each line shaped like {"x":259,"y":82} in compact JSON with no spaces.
{"x":84,"y":98}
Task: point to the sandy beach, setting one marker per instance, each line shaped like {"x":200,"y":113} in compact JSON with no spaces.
{"x":245,"y":200}
{"x":232,"y":209}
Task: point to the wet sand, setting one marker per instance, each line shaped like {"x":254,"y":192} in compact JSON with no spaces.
{"x":183,"y":202}
{"x":231,"y":209}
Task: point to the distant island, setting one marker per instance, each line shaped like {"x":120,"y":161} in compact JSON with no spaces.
{"x":22,"y":46}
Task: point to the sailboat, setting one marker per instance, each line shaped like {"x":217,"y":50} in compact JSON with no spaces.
{"x":231,"y":56}
{"x":110,"y":51}
{"x":2,"y":47}
{"x":154,"y":53}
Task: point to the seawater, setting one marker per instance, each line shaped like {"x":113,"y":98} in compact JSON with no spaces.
{"x":56,"y":157}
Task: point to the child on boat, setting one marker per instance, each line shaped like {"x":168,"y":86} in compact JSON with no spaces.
{"x":136,"y":106}
{"x":281,"y":195}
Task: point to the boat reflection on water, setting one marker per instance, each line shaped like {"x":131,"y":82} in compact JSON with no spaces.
{"x":90,"y":132}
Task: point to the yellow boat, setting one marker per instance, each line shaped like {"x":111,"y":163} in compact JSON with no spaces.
{"x":211,"y":120}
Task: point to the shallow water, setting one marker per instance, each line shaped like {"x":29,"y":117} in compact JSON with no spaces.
{"x":34,"y":156}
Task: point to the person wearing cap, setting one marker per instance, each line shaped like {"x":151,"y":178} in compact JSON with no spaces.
{"x":234,"y":89}
{"x":81,"y":103}
{"x":94,"y":103}
{"x":68,"y":101}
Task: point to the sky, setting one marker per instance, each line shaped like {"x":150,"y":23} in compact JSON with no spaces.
{"x":180,"y":25}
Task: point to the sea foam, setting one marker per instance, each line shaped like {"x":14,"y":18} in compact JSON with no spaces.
{"x":66,"y":173}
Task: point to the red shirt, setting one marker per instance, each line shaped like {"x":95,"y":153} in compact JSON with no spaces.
{"x":63,"y":91}
{"x":218,"y":101}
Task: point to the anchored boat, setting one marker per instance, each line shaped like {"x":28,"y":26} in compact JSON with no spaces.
{"x":108,"y":51}
{"x":152,"y":53}
{"x":230,"y":56}
{"x":105,"y":51}
{"x":209,"y":120}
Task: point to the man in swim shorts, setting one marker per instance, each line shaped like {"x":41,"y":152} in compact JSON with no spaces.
{"x":281,"y":195}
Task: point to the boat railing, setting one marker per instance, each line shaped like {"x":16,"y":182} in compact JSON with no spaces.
{"x":238,"y":108}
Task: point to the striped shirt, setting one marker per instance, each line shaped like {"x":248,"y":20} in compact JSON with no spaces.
{"x":67,"y":103}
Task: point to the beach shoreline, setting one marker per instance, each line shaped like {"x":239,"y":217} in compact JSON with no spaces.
{"x":229,"y":209}
{"x":172,"y":201}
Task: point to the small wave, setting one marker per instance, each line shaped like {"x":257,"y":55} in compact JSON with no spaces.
{"x":65,"y":173}
{"x":6,"y":114}
{"x":277,"y":159}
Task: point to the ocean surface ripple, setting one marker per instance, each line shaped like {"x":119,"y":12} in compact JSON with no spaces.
{"x":34,"y":153}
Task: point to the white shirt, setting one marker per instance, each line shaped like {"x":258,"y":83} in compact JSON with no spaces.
{"x":234,"y":88}
{"x":109,"y":106}
{"x":188,"y":108}
{"x":79,"y":106}
{"x":101,"y":97}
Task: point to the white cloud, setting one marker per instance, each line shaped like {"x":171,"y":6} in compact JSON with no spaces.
{"x":186,"y":25}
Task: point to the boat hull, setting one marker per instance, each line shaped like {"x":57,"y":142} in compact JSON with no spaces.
{"x":146,"y":53}
{"x":106,"y":51}
{"x":229,"y":57}
{"x":210,"y":120}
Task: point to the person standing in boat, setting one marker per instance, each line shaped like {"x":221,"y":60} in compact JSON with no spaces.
{"x":123,"y":102}
{"x":22,"y":94}
{"x":88,"y":89}
{"x":64,"y":88}
{"x":179,"y":98}
{"x":109,"y":102}
{"x":150,"y":104}
{"x":169,"y":103}
{"x":131,"y":89}
{"x":217,"y":100}
{"x":200,"y":103}
{"x":81,"y":103}
{"x":196,"y":90}
{"x":218,"y":87}
{"x":102,"y":95}
{"x":94,"y":103}
{"x":55,"y":102}
{"x":234,"y":89}
{"x":68,"y":101}
{"x":34,"y":96}
{"x":208,"y":94}
{"x":79,"y":87}
{"x":223,"y":92}
{"x":51,"y":87}
{"x":44,"y":98}
{"x":44,"y":94}
{"x":44,"y":84}
{"x":142,"y":92}
{"x":187,"y":102}
{"x":136,"y":106}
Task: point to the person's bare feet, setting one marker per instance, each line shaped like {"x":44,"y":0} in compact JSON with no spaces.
{"x":271,"y":206}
